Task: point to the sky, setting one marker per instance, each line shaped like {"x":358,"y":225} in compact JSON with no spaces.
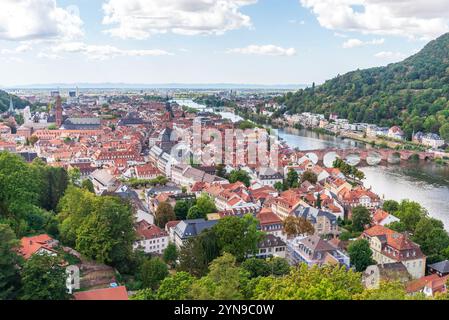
{"x":208,"y":41}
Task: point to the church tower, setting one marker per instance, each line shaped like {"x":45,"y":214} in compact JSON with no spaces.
{"x":11,"y":105}
{"x":58,"y":111}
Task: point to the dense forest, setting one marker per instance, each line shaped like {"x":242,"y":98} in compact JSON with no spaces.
{"x":4,"y":102}
{"x":413,"y":93}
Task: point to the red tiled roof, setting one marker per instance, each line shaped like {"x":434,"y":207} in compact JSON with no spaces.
{"x":149,"y":231}
{"x":379,"y":216}
{"x":147,"y":169}
{"x":395,"y":240}
{"x":118,"y":293}
{"x":419,"y":284}
{"x":31,"y":245}
{"x":266,"y":216}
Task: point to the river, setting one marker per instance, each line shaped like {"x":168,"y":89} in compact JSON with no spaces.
{"x":427,"y":184}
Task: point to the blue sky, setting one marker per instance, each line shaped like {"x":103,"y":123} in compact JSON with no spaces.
{"x":208,"y":41}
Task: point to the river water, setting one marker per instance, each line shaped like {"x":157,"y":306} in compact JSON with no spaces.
{"x":425,"y":183}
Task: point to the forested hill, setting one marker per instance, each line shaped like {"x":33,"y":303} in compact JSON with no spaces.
{"x":413,"y":93}
{"x":4,"y":102}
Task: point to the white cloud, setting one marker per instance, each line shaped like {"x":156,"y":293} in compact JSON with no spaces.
{"x":102,"y":52}
{"x":294,"y":21}
{"x":50,"y":56}
{"x":25,"y":47}
{"x":340,"y":35}
{"x":423,"y":19}
{"x":37,"y":19}
{"x":264,"y":50}
{"x":353,"y":43}
{"x":11,"y":59}
{"x":389,"y":55}
{"x":139,"y":19}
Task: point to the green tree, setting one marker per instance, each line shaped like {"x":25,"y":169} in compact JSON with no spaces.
{"x":205,"y":204}
{"x":164,"y":214}
{"x":74,"y":176}
{"x":9,"y":261}
{"x":410,"y":213}
{"x":238,"y":236}
{"x":361,"y":217}
{"x":43,"y":279}
{"x":388,"y":290}
{"x":318,"y":201}
{"x":279,"y":186}
{"x":88,"y":185}
{"x":279,"y":266}
{"x":181,"y":209}
{"x":224,"y":281}
{"x":107,"y":234}
{"x":292,"y":179}
{"x":262,"y":268}
{"x":170,"y":254}
{"x":195,"y":213}
{"x":256,"y":267}
{"x":53,"y":182}
{"x":390,"y":206}
{"x":175,"y":287}
{"x":197,"y":253}
{"x":435,"y":242}
{"x":152,"y":272}
{"x":397,"y":226}
{"x":20,"y":194}
{"x":240,"y":175}
{"x":327,"y":282}
{"x":424,"y":227}
{"x":360,"y":254}
{"x":245,"y":124}
{"x":309,"y":176}
{"x":144,"y":294}
{"x":444,"y":132}
{"x":74,"y":208}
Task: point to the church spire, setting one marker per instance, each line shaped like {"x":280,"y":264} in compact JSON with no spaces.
{"x":11,"y":104}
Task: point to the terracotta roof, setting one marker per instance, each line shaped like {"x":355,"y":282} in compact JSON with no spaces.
{"x":199,"y":186}
{"x":379,"y":216}
{"x":419,"y":284}
{"x":31,"y":245}
{"x":266,"y":216}
{"x":118,"y":293}
{"x":438,"y":285}
{"x":377,"y":231}
{"x":396,"y":241}
{"x":149,"y":231}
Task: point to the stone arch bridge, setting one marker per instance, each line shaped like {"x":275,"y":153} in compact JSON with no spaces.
{"x":385,"y":155}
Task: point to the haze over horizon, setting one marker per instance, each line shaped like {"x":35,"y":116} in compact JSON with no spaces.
{"x":261,"y":42}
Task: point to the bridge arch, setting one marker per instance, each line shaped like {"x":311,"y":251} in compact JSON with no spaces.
{"x":394,"y":157}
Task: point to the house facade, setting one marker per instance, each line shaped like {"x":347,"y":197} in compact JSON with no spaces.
{"x":389,"y":246}
{"x":152,"y":239}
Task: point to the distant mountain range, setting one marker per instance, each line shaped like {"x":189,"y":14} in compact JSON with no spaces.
{"x":227,"y":86}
